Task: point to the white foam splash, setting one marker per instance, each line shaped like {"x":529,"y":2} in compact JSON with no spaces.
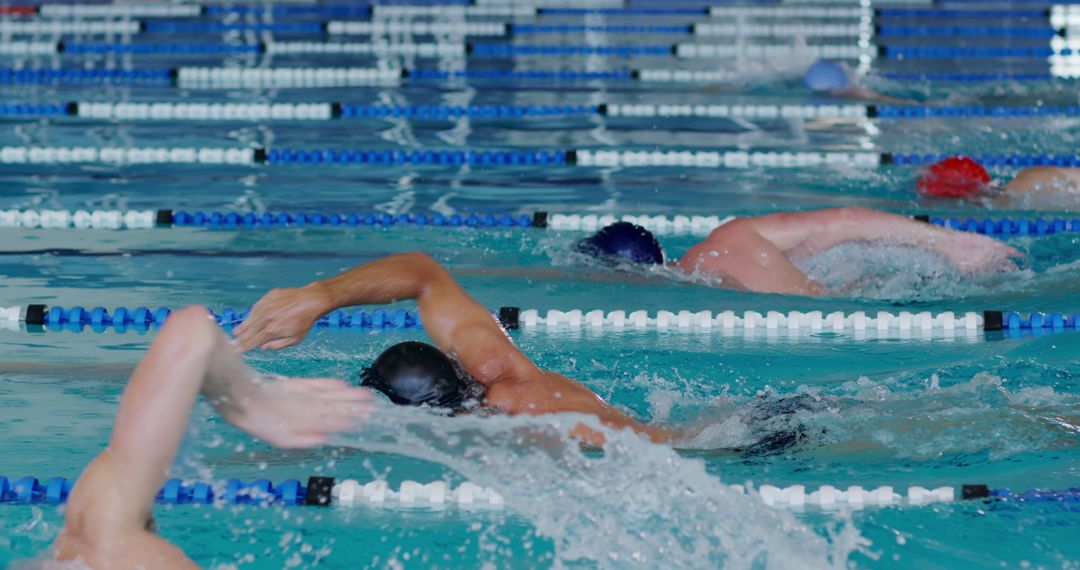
{"x":879,"y":271}
{"x":635,"y":505}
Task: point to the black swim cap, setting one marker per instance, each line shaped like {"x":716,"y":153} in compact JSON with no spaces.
{"x":625,"y":240}
{"x":416,"y":373}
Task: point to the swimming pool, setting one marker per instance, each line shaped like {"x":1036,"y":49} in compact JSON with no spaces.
{"x":804,"y":406}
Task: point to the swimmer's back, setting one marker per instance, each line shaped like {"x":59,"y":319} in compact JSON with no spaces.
{"x":1044,"y":178}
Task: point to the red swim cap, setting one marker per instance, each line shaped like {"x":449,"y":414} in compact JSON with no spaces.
{"x":955,"y":177}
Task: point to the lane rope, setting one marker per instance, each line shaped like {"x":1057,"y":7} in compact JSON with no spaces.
{"x":216,"y":111}
{"x":1061,"y":51}
{"x":503,"y":50}
{"x":855,"y":29}
{"x":320,"y":77}
{"x":948,"y":323}
{"x":330,"y":491}
{"x":697,"y":225}
{"x":457,"y":157}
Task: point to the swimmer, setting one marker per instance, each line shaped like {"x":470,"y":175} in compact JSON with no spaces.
{"x":473,"y":367}
{"x":759,"y":253}
{"x":839,"y":80}
{"x":963,"y":178}
{"x":108,"y":519}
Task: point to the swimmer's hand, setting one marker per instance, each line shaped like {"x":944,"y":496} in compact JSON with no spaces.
{"x":974,"y":253}
{"x":281,"y":319}
{"x":300,"y":412}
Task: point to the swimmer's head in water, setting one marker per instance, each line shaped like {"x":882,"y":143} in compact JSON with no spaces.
{"x":955,"y":177}
{"x":826,"y":76}
{"x":624,"y":240}
{"x":416,"y":373}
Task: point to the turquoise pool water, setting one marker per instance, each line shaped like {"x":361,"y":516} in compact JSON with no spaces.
{"x":867,"y":411}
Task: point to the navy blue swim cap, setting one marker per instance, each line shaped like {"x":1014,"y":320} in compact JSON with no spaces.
{"x":625,"y":240}
{"x":416,"y":373}
{"x":826,"y":76}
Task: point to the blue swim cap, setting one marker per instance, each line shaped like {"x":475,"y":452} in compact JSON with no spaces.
{"x":625,"y":240}
{"x":416,"y":373}
{"x":825,"y":75}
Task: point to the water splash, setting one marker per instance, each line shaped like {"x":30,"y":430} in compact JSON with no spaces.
{"x":634,"y":505}
{"x":983,"y":415}
{"x":879,"y":271}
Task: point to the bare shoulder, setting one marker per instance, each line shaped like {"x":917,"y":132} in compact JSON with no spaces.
{"x":1033,"y":178}
{"x":721,"y":248}
{"x":542,"y":392}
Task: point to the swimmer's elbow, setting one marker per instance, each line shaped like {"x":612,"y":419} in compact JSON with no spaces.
{"x":419,"y":262}
{"x":193,"y":323}
{"x":416,"y":258}
{"x":424,"y":267}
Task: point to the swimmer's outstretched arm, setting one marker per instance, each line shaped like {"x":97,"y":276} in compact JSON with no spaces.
{"x":108,"y":516}
{"x":756,"y":252}
{"x":460,"y":326}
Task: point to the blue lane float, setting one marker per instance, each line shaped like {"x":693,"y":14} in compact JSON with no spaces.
{"x":70,"y":76}
{"x":1006,"y":227}
{"x":419,"y":157}
{"x":56,"y":491}
{"x":943,"y":31}
{"x":140,"y":319}
{"x":950,"y":52}
{"x":33,"y":109}
{"x":991,"y":160}
{"x":232,"y":220}
{"x":967,"y":111}
{"x":350,"y":111}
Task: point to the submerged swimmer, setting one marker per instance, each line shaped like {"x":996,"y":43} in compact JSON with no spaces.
{"x":757,"y":253}
{"x":839,"y":80}
{"x":962,"y":177}
{"x":108,"y":521}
